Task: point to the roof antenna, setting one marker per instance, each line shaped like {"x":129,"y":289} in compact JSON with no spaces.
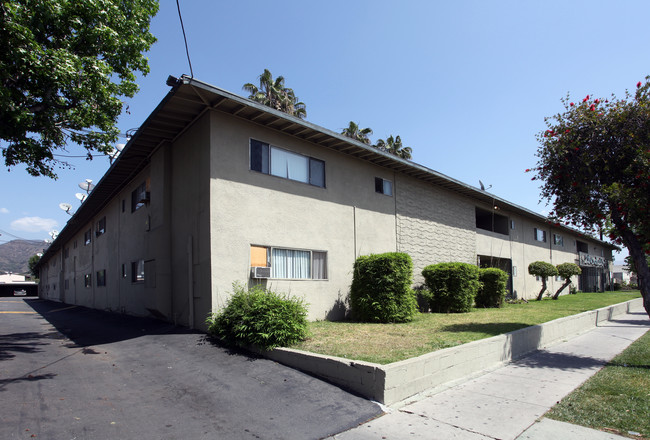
{"x":483,"y":188}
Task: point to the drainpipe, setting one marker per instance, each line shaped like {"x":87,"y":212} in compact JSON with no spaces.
{"x":190,"y":279}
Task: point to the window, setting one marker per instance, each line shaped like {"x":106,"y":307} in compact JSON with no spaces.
{"x":101,"y":227}
{"x":291,"y":263}
{"x":88,"y":280}
{"x":74,"y":244}
{"x":383,"y":186}
{"x":124,"y":274}
{"x":491,"y":221}
{"x":137,"y":271}
{"x":66,"y":252}
{"x":558,"y":240}
{"x":139,"y":197}
{"x":101,"y":278}
{"x":512,"y":224}
{"x":275,"y":161}
{"x":540,"y":235}
{"x":87,"y":237}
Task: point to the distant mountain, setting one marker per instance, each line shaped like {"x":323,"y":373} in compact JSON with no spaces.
{"x":15,"y":255}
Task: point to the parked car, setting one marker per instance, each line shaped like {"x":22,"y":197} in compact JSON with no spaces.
{"x":21,"y":292}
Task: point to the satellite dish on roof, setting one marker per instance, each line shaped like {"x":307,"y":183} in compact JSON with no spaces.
{"x":483,"y":188}
{"x":120,"y":147}
{"x":54,"y":234}
{"x":115,"y":152}
{"x":81,"y":196}
{"x":66,"y":207}
{"x":87,"y":185}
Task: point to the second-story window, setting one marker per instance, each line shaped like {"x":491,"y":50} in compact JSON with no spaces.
{"x":267,"y":159}
{"x":101,"y":227}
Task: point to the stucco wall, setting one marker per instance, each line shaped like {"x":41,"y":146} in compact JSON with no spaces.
{"x":345,"y":219}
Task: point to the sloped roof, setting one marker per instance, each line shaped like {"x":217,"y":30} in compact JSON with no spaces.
{"x":190,"y":98}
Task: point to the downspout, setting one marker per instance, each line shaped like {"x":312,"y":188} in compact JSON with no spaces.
{"x":190,"y":279}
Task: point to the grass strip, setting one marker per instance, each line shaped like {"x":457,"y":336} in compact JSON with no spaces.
{"x":617,"y":398}
{"x":387,"y":343}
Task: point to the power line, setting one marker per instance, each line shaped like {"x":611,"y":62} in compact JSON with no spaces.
{"x":187,"y":51}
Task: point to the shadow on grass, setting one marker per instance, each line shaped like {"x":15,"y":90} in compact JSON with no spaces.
{"x":492,"y":329}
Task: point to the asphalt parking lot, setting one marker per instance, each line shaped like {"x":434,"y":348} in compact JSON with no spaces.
{"x":69,"y":372}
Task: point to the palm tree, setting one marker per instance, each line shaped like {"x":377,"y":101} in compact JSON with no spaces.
{"x":360,"y":134}
{"x":274,"y":94}
{"x":394,"y":146}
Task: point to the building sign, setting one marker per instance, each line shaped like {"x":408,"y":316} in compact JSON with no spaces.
{"x":588,"y":260}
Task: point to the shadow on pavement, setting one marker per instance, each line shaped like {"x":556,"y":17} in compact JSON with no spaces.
{"x":12,"y":343}
{"x":87,"y":327}
{"x":561,"y":361}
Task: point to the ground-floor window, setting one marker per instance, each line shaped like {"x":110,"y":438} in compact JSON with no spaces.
{"x":299,"y":264}
{"x":137,"y":271}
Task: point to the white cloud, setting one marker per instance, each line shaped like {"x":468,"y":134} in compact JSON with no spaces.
{"x":33,"y":224}
{"x":4,"y":211}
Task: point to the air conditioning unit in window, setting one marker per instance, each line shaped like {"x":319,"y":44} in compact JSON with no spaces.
{"x":260,"y":272}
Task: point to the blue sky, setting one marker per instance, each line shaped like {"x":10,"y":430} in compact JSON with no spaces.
{"x":466,"y":84}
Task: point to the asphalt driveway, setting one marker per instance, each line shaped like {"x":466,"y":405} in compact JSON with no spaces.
{"x":69,"y":372}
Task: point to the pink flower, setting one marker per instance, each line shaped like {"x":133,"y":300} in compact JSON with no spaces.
{"x":638,"y":84}
{"x":571,"y":104}
{"x":597,"y":101}
{"x":592,"y":108}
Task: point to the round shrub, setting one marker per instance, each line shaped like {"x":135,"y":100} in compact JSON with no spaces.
{"x":260,"y":317}
{"x":453,"y":286}
{"x":492,"y":291}
{"x":381,"y":288}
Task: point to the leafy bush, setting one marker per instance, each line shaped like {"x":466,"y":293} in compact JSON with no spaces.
{"x":453,"y":286}
{"x":492,"y":291}
{"x":381,"y":288}
{"x":260,"y":317}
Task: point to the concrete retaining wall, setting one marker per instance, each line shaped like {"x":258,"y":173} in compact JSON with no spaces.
{"x":394,"y":382}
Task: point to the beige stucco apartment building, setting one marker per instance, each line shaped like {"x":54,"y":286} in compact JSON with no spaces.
{"x":215,"y":189}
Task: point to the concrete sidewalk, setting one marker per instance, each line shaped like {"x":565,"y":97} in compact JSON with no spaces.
{"x":507,"y":402}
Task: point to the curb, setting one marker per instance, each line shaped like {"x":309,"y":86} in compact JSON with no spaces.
{"x":392,"y":383}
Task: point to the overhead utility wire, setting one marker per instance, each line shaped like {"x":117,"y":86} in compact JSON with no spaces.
{"x":187,"y":51}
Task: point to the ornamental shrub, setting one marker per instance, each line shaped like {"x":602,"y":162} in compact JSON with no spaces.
{"x":260,"y":317}
{"x":492,"y":290}
{"x":381,"y":288}
{"x":566,"y":271}
{"x":543,"y":270}
{"x":453,"y":286}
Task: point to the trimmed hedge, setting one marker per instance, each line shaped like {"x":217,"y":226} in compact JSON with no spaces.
{"x":381,"y":288}
{"x":260,"y":317}
{"x":492,"y":291}
{"x":453,"y":286}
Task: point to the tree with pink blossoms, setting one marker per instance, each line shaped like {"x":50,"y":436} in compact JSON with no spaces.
{"x":594,"y":165}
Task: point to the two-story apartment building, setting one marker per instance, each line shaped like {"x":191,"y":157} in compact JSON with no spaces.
{"x":215,"y":189}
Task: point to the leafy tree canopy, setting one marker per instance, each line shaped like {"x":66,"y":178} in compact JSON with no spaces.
{"x":354,"y":131}
{"x":274,"y":94}
{"x":64,"y":64}
{"x":594,"y":164}
{"x":394,"y":146}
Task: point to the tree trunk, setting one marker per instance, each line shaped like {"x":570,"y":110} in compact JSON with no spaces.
{"x":642,"y":271}
{"x":564,"y":286}
{"x":541,"y":292}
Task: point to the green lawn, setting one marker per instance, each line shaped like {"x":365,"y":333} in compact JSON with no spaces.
{"x":617,"y":398}
{"x":386,"y":343}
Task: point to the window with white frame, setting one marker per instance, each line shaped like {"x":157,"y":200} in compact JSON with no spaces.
{"x":295,"y":264}
{"x":540,"y":235}
{"x":268,"y":159}
{"x":383,"y":186}
{"x":558,"y":240}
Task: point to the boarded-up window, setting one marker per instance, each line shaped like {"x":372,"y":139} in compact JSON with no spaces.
{"x":259,"y":256}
